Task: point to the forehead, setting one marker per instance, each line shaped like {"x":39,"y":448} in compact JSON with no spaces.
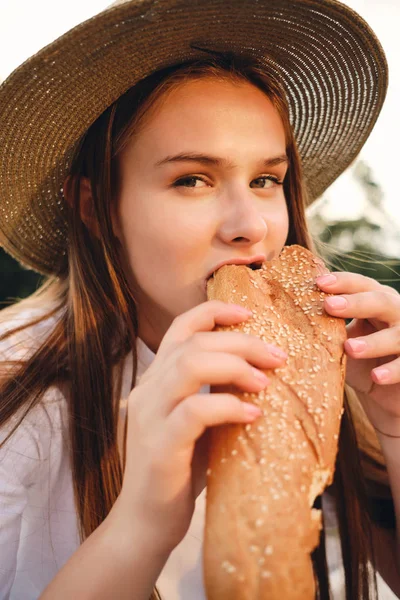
{"x":211,"y":109}
{"x":212,"y":94}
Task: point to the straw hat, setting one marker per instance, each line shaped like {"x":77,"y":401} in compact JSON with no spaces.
{"x":330,"y":62}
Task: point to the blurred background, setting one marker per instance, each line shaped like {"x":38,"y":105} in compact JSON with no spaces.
{"x":357,"y":221}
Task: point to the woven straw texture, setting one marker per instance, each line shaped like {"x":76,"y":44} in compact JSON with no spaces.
{"x":331,"y":64}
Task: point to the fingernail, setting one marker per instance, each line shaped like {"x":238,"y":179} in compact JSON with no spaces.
{"x":252,"y":411}
{"x":382,"y":374}
{"x":242,"y":309}
{"x":357,"y":345}
{"x":337,"y":302}
{"x":276,"y":351}
{"x":326,"y":279}
{"x":259,"y":375}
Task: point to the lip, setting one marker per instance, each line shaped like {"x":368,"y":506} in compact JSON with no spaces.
{"x":235,"y":261}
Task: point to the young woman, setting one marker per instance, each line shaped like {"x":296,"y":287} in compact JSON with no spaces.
{"x":138,"y":152}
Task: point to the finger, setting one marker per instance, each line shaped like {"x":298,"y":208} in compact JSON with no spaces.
{"x":197,"y":412}
{"x":375,"y":345}
{"x":360,"y":327}
{"x":203,"y":317}
{"x":365,"y":305}
{"x":387,"y":374}
{"x":251,"y":347}
{"x":190,"y":371}
{"x":351,"y":283}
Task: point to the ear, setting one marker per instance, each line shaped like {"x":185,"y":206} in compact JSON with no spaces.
{"x":86,"y":201}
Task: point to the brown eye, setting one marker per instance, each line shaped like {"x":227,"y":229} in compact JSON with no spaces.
{"x":189,"y":181}
{"x":269,"y":181}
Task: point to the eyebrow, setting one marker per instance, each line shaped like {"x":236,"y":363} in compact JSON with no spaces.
{"x":216,"y":161}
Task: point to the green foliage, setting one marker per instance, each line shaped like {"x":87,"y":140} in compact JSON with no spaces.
{"x":356,"y":245}
{"x":362,"y":260}
{"x":15,"y":282}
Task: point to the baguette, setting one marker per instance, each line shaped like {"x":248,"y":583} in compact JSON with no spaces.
{"x":263,"y":478}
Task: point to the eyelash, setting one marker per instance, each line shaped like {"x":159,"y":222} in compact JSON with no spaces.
{"x":178,"y":182}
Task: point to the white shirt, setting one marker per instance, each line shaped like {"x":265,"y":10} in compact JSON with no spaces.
{"x":38,"y":521}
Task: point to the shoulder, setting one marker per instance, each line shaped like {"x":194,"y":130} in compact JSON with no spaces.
{"x":27,"y":436}
{"x":27,"y":441}
{"x":17,"y":344}
{"x":46,"y":417}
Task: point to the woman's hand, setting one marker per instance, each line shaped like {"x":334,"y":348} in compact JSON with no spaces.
{"x":373,"y":344}
{"x":167,"y":417}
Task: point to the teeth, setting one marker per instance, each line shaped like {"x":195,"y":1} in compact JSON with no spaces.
{"x":252,"y":266}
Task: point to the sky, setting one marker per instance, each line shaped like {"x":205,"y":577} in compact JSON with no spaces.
{"x":26,"y":26}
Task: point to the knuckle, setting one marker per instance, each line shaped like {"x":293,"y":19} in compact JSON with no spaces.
{"x":365,"y":279}
{"x":389,"y":290}
{"x":393,"y":300}
{"x":190,"y":409}
{"x":197,"y":341}
{"x":188,"y":360}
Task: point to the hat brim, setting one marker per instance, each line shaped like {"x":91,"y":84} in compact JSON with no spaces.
{"x":330,"y":62}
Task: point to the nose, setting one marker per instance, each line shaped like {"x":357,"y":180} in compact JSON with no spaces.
{"x":243,"y":221}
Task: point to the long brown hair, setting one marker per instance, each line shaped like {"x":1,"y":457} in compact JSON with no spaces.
{"x":94,"y":304}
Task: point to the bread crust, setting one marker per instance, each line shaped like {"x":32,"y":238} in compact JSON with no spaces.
{"x":263,"y":478}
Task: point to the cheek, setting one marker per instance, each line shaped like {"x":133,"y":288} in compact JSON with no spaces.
{"x":155,"y":238}
{"x":284,"y":229}
{"x":278,"y":223}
